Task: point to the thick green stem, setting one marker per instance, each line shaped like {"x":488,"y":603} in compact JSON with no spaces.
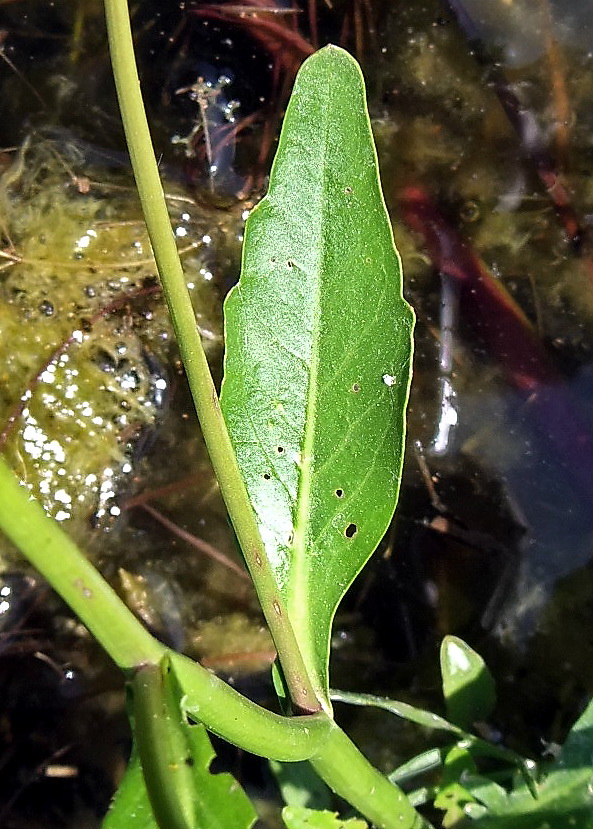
{"x":162,"y":748}
{"x":240,"y":721}
{"x":330,"y":751}
{"x":350,"y":775}
{"x":222,"y":709}
{"x":59,"y":560}
{"x":200,"y":380}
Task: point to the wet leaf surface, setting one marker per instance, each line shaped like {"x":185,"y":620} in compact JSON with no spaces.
{"x":318,"y":353}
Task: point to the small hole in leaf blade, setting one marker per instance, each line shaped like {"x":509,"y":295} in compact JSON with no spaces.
{"x":339,"y":493}
{"x":350,"y":530}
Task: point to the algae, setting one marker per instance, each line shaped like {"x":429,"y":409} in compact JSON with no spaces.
{"x":85,"y":342}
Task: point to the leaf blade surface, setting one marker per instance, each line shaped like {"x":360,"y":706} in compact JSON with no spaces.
{"x":317,"y":366}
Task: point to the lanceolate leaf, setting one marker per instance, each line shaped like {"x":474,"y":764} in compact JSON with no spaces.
{"x":318,"y":343}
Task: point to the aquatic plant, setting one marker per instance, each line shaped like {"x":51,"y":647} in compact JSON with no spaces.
{"x":315,"y":463}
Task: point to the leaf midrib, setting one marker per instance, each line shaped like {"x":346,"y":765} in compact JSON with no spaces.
{"x":298,"y":599}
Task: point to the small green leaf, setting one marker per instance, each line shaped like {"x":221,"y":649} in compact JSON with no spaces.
{"x":297,"y":817}
{"x":300,"y":785}
{"x":489,"y":793}
{"x":427,"y":761}
{"x":400,"y":709}
{"x":468,"y":686}
{"x":578,"y":747}
{"x":564,"y":801}
{"x":175,"y":758}
{"x":562,"y":798}
{"x":453,"y":799}
{"x":130,"y":808}
{"x":318,"y":344}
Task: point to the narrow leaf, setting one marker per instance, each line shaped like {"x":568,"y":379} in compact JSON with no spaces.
{"x":130,"y":808}
{"x":468,"y":685}
{"x":423,"y":763}
{"x":400,"y":709}
{"x":297,"y":817}
{"x":318,"y":341}
{"x":300,"y":785}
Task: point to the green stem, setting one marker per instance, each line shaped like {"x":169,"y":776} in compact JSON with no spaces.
{"x":202,"y":387}
{"x":351,"y":776}
{"x":207,"y":698}
{"x":330,"y":751}
{"x":240,"y":721}
{"x":222,"y":709}
{"x":162,"y":748}
{"x":60,"y":561}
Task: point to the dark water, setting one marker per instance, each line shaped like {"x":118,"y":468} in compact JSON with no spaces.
{"x":481,"y":121}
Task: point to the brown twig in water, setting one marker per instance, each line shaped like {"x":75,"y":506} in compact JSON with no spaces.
{"x":562,"y":108}
{"x":197,"y":543}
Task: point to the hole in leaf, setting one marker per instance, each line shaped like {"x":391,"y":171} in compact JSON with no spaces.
{"x":280,"y":450}
{"x":290,"y":263}
{"x":355,"y":387}
{"x":267,"y":476}
{"x":339,"y":493}
{"x":350,"y":530}
{"x":348,"y":190}
{"x":290,"y":538}
{"x":273,"y":260}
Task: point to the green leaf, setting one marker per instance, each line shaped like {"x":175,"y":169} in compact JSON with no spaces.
{"x":297,"y":817}
{"x":176,"y":757}
{"x":468,"y":686}
{"x":300,"y":785}
{"x":578,"y":747}
{"x":564,"y":796}
{"x":318,"y":344}
{"x":130,"y":808}
{"x":427,"y":761}
{"x":400,"y":709}
{"x":453,"y":799}
{"x":564,"y":799}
